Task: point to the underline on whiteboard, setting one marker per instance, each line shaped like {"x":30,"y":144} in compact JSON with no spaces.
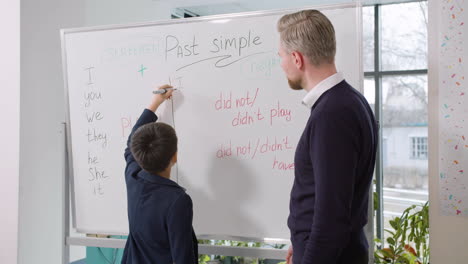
{"x":253,"y":54}
{"x":221,"y":58}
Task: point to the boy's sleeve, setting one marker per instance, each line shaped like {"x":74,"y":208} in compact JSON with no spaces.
{"x":146,"y":117}
{"x":179,"y":222}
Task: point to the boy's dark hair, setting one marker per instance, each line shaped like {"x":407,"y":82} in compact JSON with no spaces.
{"x":153,"y":146}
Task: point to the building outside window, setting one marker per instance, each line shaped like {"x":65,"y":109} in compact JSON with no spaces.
{"x":418,"y":149}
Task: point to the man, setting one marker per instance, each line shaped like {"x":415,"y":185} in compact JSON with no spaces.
{"x":159,"y":210}
{"x":335,"y":155}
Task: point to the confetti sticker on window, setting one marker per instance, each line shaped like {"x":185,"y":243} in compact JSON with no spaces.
{"x":453,"y":159}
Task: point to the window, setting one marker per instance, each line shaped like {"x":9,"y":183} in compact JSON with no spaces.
{"x":395,"y":84}
{"x":418,"y":148}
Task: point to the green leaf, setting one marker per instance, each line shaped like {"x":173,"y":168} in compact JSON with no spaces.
{"x":386,"y":254}
{"x":376,"y":201}
{"x":390,"y":232}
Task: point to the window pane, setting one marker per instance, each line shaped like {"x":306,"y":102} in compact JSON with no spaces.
{"x":404,"y":101}
{"x":369,"y":91}
{"x":368,"y":37}
{"x":404,"y":134}
{"x":404,"y":36}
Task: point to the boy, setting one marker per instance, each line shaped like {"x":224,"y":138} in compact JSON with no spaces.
{"x":159,"y":211}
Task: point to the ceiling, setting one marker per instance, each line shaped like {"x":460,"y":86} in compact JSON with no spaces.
{"x":215,"y":7}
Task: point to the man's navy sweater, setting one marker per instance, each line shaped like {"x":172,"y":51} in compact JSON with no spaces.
{"x":334,"y":164}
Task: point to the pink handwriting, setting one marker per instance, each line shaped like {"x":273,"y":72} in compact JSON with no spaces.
{"x":279,"y":112}
{"x":254,"y":147}
{"x":126,"y":126}
{"x":227,"y":102}
{"x":247,"y":118}
{"x":280,"y":165}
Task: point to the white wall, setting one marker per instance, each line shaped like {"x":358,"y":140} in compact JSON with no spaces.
{"x":105,"y":12}
{"x":448,"y":234}
{"x":43,"y":111}
{"x":9,"y":107}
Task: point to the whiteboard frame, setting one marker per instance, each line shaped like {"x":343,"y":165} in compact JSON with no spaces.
{"x":208,"y":18}
{"x":69,"y":193}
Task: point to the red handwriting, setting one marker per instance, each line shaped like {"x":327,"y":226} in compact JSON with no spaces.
{"x":224,"y":151}
{"x":126,"y":126}
{"x":247,"y":118}
{"x":279,"y":112}
{"x":280,"y":165}
{"x":254,"y":147}
{"x":273,"y":146}
{"x":227,"y":102}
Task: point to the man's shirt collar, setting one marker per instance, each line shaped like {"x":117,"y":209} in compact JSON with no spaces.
{"x":313,"y":95}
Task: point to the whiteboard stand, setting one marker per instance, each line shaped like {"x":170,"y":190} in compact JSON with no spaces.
{"x":203,"y":249}
{"x":66,"y":198}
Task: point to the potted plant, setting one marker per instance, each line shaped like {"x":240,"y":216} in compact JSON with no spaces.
{"x":408,"y":242}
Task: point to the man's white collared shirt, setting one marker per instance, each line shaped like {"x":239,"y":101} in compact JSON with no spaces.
{"x":313,"y":95}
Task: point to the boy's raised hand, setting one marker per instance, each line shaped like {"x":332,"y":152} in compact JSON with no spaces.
{"x":158,"y":99}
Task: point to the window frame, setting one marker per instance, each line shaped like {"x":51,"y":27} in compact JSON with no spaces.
{"x":378,"y":74}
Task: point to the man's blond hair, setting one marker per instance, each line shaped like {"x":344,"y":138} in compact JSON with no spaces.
{"x":310,"y":33}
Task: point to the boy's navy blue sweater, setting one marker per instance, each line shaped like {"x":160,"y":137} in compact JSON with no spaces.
{"x":334,"y":164}
{"x":159,"y":215}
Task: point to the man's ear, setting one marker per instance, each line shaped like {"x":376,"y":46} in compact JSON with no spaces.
{"x":298,"y":59}
{"x":174,"y":158}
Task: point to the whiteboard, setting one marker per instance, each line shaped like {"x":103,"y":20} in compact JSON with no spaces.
{"x":237,"y":120}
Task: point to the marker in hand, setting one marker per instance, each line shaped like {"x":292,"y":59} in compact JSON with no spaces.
{"x":163,"y":91}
